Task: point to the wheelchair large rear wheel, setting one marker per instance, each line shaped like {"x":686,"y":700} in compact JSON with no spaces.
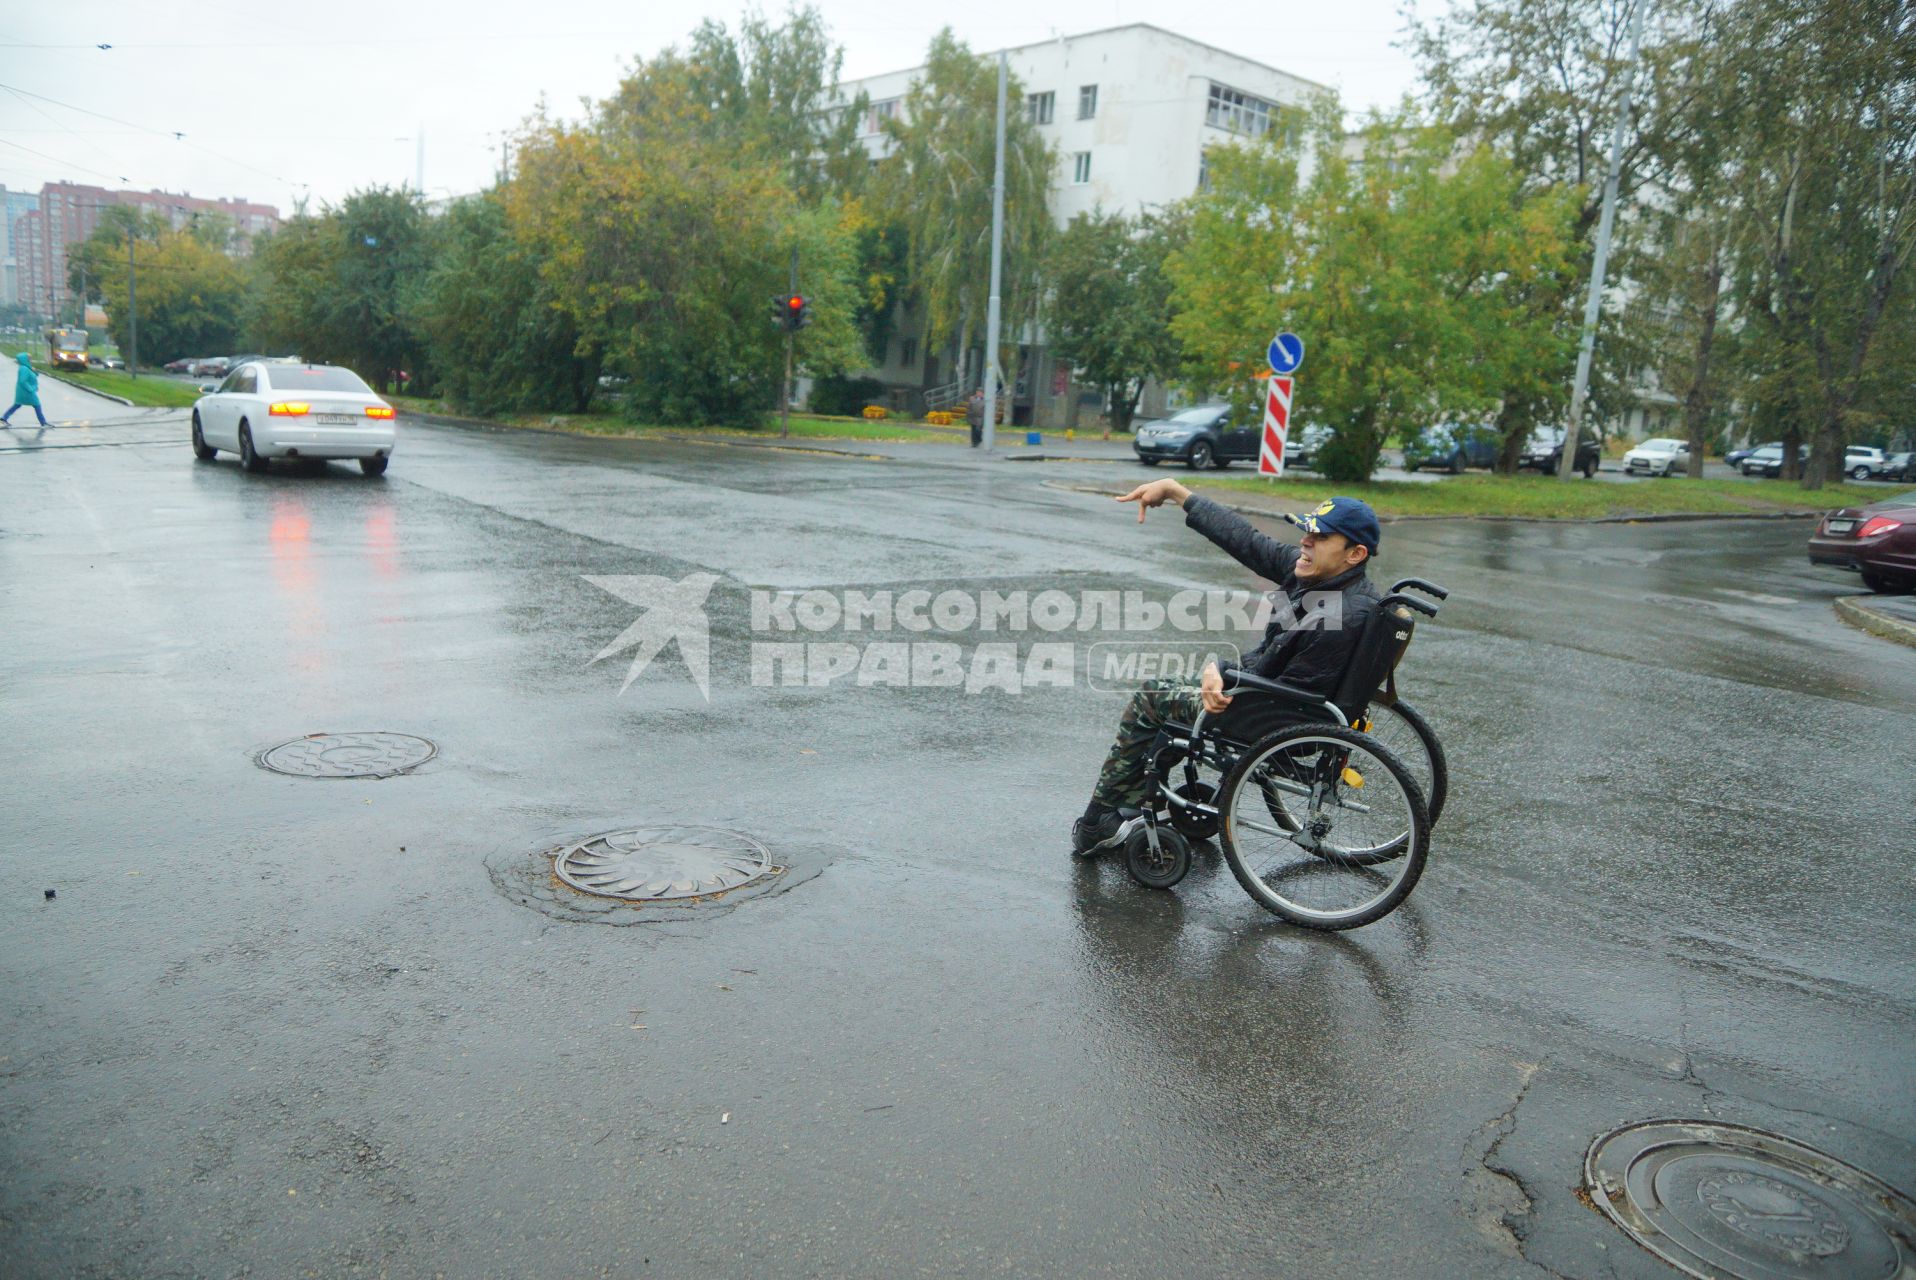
{"x":1324,"y":827}
{"x":1402,"y":730}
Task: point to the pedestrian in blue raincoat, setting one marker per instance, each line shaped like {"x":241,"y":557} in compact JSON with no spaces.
{"x":26,"y":390}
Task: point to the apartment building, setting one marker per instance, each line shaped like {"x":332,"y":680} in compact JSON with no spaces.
{"x":1129,"y":112}
{"x":68,"y":213}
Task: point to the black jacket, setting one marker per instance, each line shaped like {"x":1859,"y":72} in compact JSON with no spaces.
{"x":1312,"y":655}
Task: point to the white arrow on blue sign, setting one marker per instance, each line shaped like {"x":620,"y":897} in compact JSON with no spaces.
{"x":1286,"y":353}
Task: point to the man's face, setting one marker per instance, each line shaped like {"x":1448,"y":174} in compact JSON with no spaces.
{"x":1325,"y":555}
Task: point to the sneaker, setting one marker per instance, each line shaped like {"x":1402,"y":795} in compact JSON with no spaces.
{"x":1095,"y":836}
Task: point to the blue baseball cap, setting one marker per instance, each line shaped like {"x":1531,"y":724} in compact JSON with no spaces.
{"x":1351,"y":517}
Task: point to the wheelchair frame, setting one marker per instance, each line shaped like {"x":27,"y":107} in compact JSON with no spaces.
{"x":1159,"y":858}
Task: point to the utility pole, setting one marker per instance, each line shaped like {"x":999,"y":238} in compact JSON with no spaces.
{"x":997,"y":269}
{"x":132,"y":312}
{"x":791,"y":340}
{"x":1567,"y":463}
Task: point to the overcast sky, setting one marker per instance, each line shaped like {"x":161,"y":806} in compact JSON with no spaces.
{"x":276,"y":99}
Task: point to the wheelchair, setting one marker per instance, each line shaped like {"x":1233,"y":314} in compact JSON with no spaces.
{"x":1323,"y":807}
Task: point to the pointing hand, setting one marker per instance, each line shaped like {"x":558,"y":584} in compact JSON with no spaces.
{"x":1156,"y":493}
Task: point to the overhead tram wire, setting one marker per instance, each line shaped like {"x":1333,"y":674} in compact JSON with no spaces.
{"x":177,"y":135}
{"x":62,"y":160}
{"x":97,"y":149}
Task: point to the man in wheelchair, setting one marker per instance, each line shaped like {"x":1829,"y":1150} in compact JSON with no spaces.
{"x":1307,"y":644}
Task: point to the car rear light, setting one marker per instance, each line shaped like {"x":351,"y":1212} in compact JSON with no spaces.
{"x":288,"y":408}
{"x":379,"y":411}
{"x":1878,"y":524}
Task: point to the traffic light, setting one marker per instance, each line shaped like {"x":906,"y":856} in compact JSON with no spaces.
{"x":792,"y":311}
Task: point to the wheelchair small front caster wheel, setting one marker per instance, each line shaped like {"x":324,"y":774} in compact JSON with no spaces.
{"x":1160,"y":867}
{"x":1197,"y":826}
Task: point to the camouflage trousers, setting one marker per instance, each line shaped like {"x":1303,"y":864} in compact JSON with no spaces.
{"x":1125,"y":780}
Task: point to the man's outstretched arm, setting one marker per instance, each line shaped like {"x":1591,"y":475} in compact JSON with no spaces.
{"x":1258,"y":552}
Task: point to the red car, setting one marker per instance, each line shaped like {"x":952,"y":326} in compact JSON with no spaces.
{"x":1878,"y":540}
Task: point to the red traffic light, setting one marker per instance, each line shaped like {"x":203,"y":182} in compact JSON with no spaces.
{"x":795,"y":303}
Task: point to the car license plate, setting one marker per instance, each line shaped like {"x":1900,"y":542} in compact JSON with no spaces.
{"x":1838,"y":526}
{"x":334,"y":419}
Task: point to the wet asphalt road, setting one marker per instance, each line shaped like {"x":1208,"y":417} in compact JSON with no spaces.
{"x":282,"y":1027}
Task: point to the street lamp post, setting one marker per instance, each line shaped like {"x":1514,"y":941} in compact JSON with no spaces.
{"x":132,"y":311}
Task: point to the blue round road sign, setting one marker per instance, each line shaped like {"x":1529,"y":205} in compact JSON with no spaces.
{"x":1286,"y":353}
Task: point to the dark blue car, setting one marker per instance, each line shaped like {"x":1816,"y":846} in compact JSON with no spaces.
{"x":1452,"y":447}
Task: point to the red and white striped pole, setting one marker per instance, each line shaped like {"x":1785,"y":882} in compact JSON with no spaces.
{"x":1277,"y":427}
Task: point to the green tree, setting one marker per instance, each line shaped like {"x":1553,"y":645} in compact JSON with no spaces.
{"x":1818,"y":98}
{"x":664,"y":225}
{"x":1409,"y":263}
{"x":1110,"y":311}
{"x":492,"y":330}
{"x":190,"y":297}
{"x":1541,"y":81}
{"x":939,"y":176}
{"x":341,"y":286}
{"x":104,"y":251}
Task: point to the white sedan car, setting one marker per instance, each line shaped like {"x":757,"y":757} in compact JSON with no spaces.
{"x":270,"y":409}
{"x":1658,"y":458}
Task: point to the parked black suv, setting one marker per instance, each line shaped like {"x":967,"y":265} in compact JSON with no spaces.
{"x":1544,"y":451}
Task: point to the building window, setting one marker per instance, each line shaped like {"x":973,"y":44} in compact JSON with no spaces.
{"x":908,"y":352}
{"x":1087,"y":102}
{"x":1204,"y":170}
{"x":1238,"y":112}
{"x":1081,"y":168}
{"x":1039,"y":107}
{"x":878,"y":113}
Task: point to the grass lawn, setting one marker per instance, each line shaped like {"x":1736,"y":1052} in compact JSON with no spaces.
{"x":804,"y":427}
{"x":1547,"y":498}
{"x":155,"y":392}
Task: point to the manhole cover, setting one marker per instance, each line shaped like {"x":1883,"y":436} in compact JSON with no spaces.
{"x":662,"y":864}
{"x":1728,"y":1203}
{"x":348,"y":755}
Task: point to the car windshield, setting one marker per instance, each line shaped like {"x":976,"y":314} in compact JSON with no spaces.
{"x":1198,"y":417}
{"x":314,"y":377}
{"x":1658,"y":444}
{"x":1769,"y":451}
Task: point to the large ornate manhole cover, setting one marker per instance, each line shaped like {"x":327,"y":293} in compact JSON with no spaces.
{"x":1728,"y":1203}
{"x":348,"y":755}
{"x":662,"y":864}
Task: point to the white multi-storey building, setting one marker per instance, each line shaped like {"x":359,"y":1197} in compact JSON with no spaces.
{"x":1129,"y":112}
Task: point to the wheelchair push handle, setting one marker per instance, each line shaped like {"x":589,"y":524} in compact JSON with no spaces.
{"x":1424,"y":607}
{"x":1419,"y":584}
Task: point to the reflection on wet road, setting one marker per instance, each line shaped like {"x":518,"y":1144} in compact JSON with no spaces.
{"x":296,"y":1026}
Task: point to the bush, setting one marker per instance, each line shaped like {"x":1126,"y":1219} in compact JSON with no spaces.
{"x":940,"y":417}
{"x":842,"y":396}
{"x":876,"y":412}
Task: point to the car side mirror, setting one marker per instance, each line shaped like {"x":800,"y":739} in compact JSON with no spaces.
{"x":207,"y":388}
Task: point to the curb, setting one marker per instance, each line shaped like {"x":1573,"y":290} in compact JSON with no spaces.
{"x":81,"y":386}
{"x":1860,"y":615}
{"x":786,"y":446}
{"x":1062,"y":457}
{"x":1663,"y":518}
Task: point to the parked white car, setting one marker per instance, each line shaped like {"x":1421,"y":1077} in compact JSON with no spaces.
{"x":1861,"y":461}
{"x":268,"y":409}
{"x":1659,"y":457}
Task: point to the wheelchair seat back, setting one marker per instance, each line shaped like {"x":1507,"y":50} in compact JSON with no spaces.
{"x":1381,"y":647}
